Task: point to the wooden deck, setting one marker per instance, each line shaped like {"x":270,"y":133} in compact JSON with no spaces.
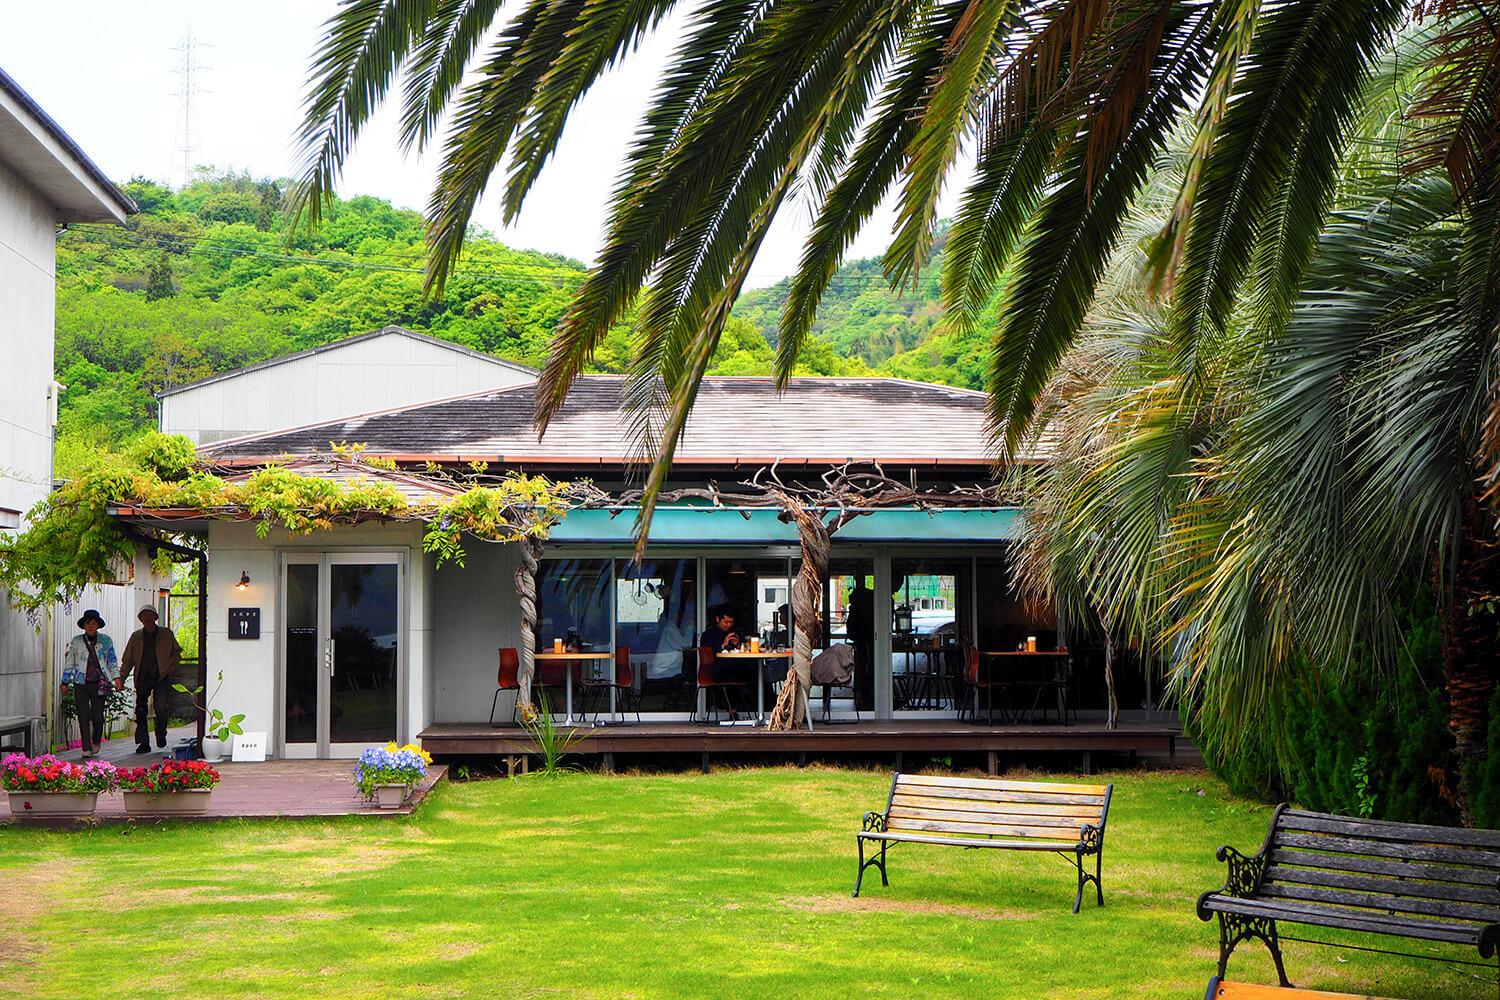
{"x":270,"y":790}
{"x":883,"y":736}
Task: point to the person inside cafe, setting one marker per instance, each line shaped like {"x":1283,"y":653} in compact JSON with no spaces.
{"x":722,"y":637}
{"x":152,"y":654}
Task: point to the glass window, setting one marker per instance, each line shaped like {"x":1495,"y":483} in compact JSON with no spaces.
{"x":656,"y":608}
{"x":851,"y":618}
{"x":573,"y":603}
{"x":929,"y":622}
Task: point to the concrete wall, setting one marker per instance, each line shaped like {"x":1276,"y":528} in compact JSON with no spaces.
{"x":252,"y":668}
{"x":476,"y":611}
{"x":27,"y":308}
{"x":375,"y":374}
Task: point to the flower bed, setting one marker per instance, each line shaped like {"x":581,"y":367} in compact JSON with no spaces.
{"x":169,"y":776}
{"x":19,"y":773}
{"x":389,"y":765}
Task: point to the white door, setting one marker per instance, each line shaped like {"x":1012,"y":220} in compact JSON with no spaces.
{"x":341,"y":670}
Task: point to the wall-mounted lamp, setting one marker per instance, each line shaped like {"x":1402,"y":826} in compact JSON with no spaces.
{"x":903,"y":619}
{"x":244,"y":581}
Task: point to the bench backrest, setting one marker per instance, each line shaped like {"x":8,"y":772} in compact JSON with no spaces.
{"x":1447,"y":873}
{"x":995,"y":807}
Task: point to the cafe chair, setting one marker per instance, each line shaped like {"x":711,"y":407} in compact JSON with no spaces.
{"x":707,"y":686}
{"x":973,"y":684}
{"x":596,"y":691}
{"x":507,"y":680}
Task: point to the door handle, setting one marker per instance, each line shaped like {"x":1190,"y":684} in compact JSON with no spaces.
{"x":332,"y":643}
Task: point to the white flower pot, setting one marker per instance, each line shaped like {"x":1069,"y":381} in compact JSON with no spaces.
{"x":390,"y":796}
{"x":52,"y":805}
{"x":183,"y":802}
{"x":216,"y":750}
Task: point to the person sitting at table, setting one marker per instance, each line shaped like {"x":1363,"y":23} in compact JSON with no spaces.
{"x":722,"y":637}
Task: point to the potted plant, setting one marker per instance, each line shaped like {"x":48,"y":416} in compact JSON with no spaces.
{"x":385,"y":774}
{"x":171,"y":788}
{"x":218,"y":730}
{"x":45,"y":787}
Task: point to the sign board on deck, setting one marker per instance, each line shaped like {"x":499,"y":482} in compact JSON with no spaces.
{"x":249,"y":747}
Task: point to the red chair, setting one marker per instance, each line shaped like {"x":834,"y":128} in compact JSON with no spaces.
{"x":507,"y":680}
{"x":708,"y":686}
{"x":596,"y":692}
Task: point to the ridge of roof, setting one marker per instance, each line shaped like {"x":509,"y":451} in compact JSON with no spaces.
{"x":17,"y":93}
{"x":417,"y":335}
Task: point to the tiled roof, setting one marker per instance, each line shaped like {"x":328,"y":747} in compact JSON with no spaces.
{"x":735,"y":421}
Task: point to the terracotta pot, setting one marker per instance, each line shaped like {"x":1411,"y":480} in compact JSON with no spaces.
{"x":390,"y":796}
{"x":52,"y":805}
{"x":185,"y":802}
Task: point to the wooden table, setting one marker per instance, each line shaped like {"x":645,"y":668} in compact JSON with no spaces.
{"x":760,"y":682}
{"x":1057,"y":685}
{"x":568,"y":674}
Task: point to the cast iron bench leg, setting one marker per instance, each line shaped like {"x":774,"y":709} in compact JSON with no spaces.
{"x":876,"y":860}
{"x":1234,"y":928}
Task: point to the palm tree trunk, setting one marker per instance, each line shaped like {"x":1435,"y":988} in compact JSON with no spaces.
{"x":1470,"y":647}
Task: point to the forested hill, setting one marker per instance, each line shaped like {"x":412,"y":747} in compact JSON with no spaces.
{"x":203,"y":281}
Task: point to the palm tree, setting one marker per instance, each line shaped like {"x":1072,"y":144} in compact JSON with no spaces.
{"x":1262,"y":503}
{"x":1064,"y":105}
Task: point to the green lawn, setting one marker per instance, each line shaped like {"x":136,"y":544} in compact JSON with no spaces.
{"x":734,"y":884}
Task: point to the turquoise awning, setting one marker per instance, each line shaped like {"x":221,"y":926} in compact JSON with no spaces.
{"x":738,"y":526}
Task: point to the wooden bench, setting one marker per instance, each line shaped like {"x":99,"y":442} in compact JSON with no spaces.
{"x":991,"y":813}
{"x":1428,"y":883}
{"x":1220,"y":990}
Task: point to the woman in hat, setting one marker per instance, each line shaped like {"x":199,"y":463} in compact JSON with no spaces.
{"x":90,"y":666}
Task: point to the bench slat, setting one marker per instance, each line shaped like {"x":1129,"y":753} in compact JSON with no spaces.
{"x":1004,"y":795}
{"x":1327,"y":916}
{"x":904,"y":814}
{"x":987,"y":829}
{"x":1394,"y":886}
{"x":1375,"y":829}
{"x":1010,"y":845}
{"x":1360,"y":901}
{"x":1376,"y":849}
{"x":1000,"y":784}
{"x":1382,"y":866}
{"x":1082,"y":813}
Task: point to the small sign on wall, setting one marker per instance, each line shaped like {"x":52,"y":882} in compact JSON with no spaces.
{"x":249,"y":747}
{"x":244,"y":623}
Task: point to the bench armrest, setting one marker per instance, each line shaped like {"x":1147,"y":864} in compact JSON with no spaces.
{"x":1090,"y":838}
{"x":874,"y":821}
{"x":1244,"y":878}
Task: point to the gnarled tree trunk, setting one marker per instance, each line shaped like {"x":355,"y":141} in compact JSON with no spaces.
{"x":531,"y":554}
{"x":807,"y":593}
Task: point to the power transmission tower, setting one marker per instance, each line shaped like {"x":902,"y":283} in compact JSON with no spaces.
{"x":188,"y":91}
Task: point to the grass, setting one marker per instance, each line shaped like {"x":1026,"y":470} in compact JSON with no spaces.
{"x":734,"y":884}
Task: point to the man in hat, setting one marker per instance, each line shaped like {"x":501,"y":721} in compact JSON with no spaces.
{"x":89,"y":666}
{"x":152,"y":654}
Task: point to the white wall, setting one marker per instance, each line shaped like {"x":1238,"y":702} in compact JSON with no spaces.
{"x":476,"y":612}
{"x":27,"y":307}
{"x":376,"y":374}
{"x":250,"y":666}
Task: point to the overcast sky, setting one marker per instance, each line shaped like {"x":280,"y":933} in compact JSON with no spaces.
{"x":109,"y":73}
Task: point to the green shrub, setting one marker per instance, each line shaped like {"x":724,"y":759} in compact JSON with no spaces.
{"x":1362,"y":742}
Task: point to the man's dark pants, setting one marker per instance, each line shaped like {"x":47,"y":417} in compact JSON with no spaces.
{"x":147,"y":688}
